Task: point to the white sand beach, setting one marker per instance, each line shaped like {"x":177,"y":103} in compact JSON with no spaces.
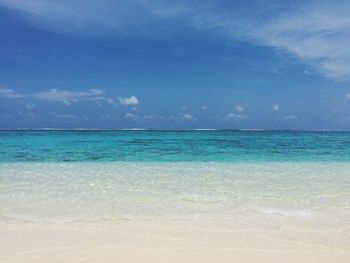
{"x":193,"y":241}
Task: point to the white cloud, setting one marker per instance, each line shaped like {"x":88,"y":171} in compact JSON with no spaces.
{"x":235,"y":116}
{"x":30,"y":106}
{"x":110,"y":101}
{"x":106,"y":117}
{"x":150,"y":117}
{"x":58,"y":95}
{"x":347,"y":96}
{"x":9,"y":93}
{"x":239,"y":108}
{"x":275,"y":107}
{"x":6,"y":91}
{"x":131,"y":101}
{"x":67,"y":96}
{"x":122,"y":17}
{"x":131,"y":116}
{"x":96,"y":92}
{"x":290,"y":117}
{"x":204,"y":107}
{"x":315,"y":32}
{"x":188,"y":117}
{"x":66,"y":116}
{"x":181,"y":117}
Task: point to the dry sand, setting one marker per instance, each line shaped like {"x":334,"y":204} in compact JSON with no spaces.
{"x":164,"y":241}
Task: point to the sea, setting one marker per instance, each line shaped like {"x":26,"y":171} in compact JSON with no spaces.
{"x":291,"y":178}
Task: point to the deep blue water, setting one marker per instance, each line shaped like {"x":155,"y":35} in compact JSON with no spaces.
{"x":173,"y":146}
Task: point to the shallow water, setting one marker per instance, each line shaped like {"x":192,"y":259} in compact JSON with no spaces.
{"x":133,"y":190}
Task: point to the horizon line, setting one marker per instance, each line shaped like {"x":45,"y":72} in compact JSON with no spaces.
{"x":167,"y":129}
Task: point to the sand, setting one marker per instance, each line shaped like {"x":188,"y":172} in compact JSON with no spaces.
{"x":164,"y":241}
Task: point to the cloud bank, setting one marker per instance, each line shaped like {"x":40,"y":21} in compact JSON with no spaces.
{"x":69,"y":96}
{"x":9,"y":93}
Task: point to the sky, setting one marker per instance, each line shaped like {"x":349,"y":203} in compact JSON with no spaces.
{"x":228,"y":64}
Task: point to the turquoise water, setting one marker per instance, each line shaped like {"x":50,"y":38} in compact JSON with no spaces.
{"x":173,"y":146}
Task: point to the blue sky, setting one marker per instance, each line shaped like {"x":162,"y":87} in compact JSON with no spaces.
{"x":175,"y":64}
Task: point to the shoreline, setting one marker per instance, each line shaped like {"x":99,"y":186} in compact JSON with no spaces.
{"x":174,"y":212}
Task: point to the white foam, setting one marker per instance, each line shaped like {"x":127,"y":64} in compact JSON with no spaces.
{"x":284,"y":212}
{"x":203,"y":198}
